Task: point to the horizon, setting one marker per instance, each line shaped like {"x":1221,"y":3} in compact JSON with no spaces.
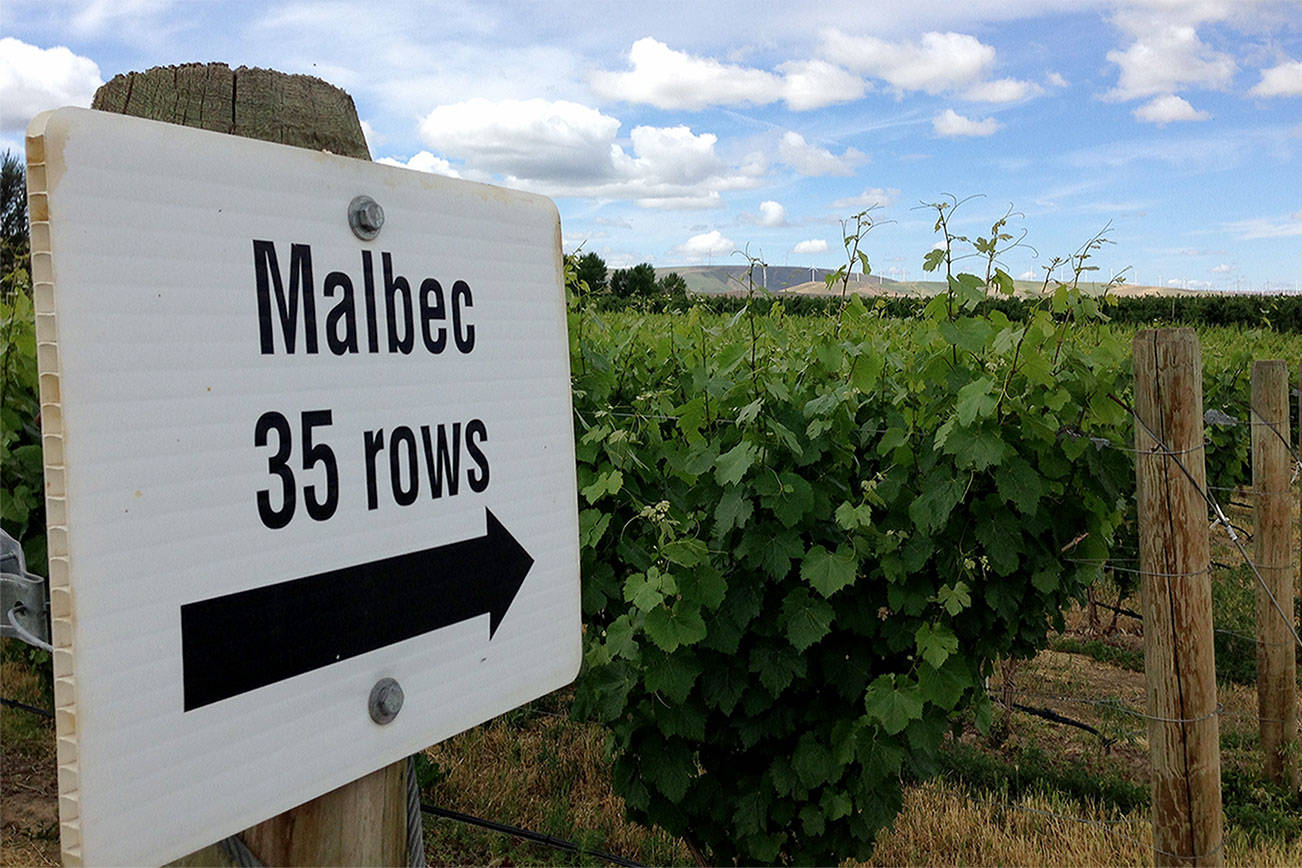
{"x":669,"y":137}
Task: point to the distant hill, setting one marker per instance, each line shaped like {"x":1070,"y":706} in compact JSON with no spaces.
{"x":731,"y":280}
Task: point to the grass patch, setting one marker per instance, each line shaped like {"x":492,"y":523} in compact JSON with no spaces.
{"x":23,"y":678}
{"x":1029,"y":770}
{"x":535,"y":768}
{"x":949,"y":823}
{"x":29,"y":831}
{"x":1096,"y":649}
{"x":1234,"y":602}
{"x":1261,"y":810}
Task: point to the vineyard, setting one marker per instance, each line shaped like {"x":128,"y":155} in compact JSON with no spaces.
{"x":808,"y":541}
{"x":814,"y":551}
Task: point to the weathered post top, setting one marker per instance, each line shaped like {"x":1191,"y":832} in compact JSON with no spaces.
{"x":299,"y":110}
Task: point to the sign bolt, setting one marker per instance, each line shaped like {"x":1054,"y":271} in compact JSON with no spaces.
{"x":365,"y":217}
{"x":386,"y":701}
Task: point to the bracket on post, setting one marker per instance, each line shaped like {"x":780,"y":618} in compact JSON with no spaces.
{"x":24,"y":597}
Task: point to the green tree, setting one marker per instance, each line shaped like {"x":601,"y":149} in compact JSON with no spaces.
{"x":13,"y":224}
{"x":634,"y":284}
{"x":672,"y":290}
{"x":591,"y":269}
{"x":22,"y":500}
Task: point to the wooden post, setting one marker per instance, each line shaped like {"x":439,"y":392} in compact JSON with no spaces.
{"x":361,"y":823}
{"x":297,"y":110}
{"x":364,"y":822}
{"x":1273,"y":558}
{"x":1175,"y":561}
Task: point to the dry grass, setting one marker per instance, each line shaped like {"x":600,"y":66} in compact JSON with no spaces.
{"x":945,"y":823}
{"x":29,"y":815}
{"x":542,"y":771}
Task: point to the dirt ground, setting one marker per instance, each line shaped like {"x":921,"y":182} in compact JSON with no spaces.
{"x":29,"y":793}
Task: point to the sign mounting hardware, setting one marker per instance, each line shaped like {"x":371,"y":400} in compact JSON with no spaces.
{"x":365,"y":217}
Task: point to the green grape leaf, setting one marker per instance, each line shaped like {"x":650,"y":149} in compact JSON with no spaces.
{"x":751,"y":813}
{"x":1020,"y":484}
{"x":777,"y":667}
{"x":812,"y":761}
{"x":829,"y":572}
{"x":935,"y":642}
{"x":805,"y":618}
{"x":976,"y":400}
{"x":891,"y":706}
{"x":673,"y":676}
{"x":943,"y":686}
{"x":733,"y":464}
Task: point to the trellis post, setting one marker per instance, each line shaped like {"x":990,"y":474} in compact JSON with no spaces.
{"x":1175,"y":559}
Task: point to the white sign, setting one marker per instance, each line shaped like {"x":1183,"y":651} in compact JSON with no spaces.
{"x":284,"y":463}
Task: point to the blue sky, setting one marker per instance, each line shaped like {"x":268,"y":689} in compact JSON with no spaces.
{"x":677,"y":133}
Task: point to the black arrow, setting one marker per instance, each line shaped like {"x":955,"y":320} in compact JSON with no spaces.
{"x":239,"y":642}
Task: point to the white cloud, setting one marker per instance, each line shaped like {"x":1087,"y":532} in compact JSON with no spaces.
{"x":672,"y":154}
{"x":951,"y":124}
{"x":811,"y":84}
{"x":1166,"y":53}
{"x":772,"y":214}
{"x":567,"y":149}
{"x":1282,"y":80}
{"x":373,"y":138}
{"x":1002,"y":90}
{"x":1168,"y":109}
{"x":670,"y":79}
{"x":98,"y":16}
{"x":705,"y":246}
{"x":34,"y":79}
{"x":813,"y":161}
{"x":1028,"y":275}
{"x":526,"y":138}
{"x":1056,"y":80}
{"x":937,"y":63}
{"x":1266,"y":227}
{"x":424,"y":162}
{"x":813,"y":245}
{"x":1223,"y":268}
{"x":873,"y":197}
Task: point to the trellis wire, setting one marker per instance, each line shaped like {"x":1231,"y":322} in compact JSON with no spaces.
{"x":1160,"y":448}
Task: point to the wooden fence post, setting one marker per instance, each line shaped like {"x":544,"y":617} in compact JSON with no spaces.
{"x":363,"y":822}
{"x":1175,"y":561}
{"x":1273,"y":558}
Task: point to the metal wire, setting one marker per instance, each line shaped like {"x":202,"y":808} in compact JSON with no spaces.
{"x":1248,"y":638}
{"x":1220,"y":514}
{"x":1273,"y":427}
{"x":415,"y":822}
{"x":239,"y":853}
{"x":1241,"y":490}
{"x":528,"y":835}
{"x":1116,"y":705}
{"x":1152,"y":573}
{"x":1155,"y":450}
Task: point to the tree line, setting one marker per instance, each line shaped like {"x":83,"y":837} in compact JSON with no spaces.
{"x":635,"y":287}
